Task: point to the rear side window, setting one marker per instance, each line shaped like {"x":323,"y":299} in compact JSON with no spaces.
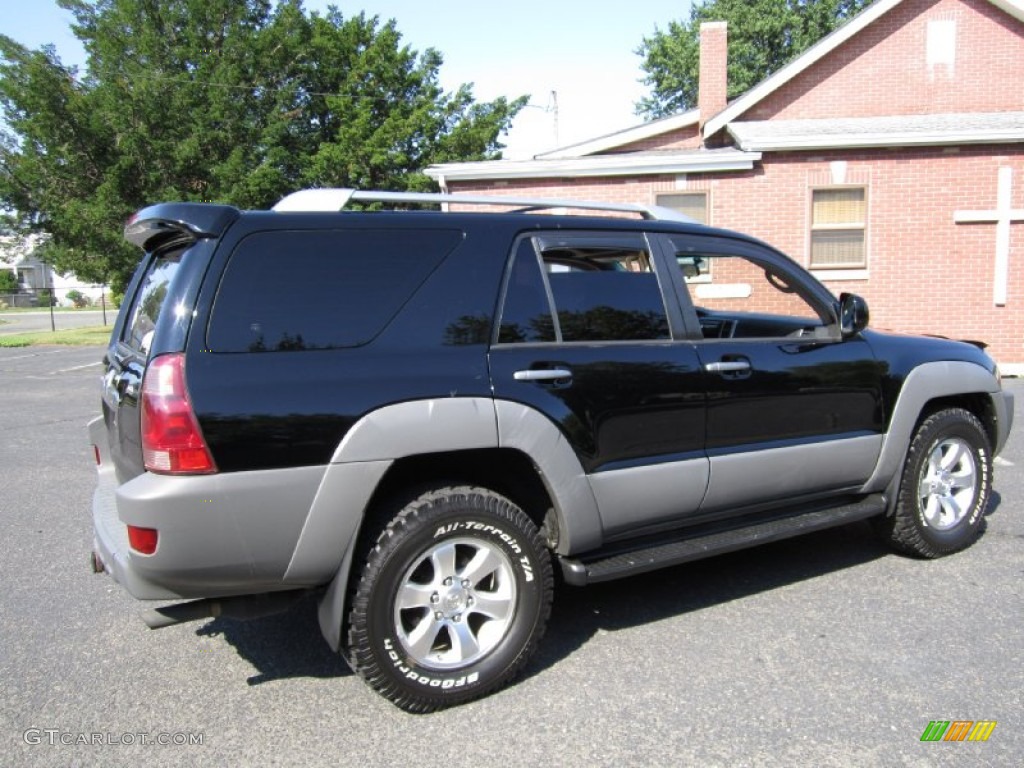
{"x":150,"y":300}
{"x":294,"y":290}
{"x":599,"y":292}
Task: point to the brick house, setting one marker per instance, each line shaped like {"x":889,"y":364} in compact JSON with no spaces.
{"x":888,"y":159}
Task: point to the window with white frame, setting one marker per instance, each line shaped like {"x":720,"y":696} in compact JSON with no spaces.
{"x":694,"y":205}
{"x":838,"y":228}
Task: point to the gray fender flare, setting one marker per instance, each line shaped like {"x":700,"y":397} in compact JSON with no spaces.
{"x":419,"y":427}
{"x":928,"y":382}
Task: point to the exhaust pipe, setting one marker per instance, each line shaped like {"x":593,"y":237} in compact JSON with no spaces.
{"x":241,"y":608}
{"x":96,"y":562}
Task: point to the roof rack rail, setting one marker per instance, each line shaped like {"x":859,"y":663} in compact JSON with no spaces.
{"x":335,"y":199}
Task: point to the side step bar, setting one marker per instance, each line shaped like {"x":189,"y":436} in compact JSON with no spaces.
{"x":696,"y":546}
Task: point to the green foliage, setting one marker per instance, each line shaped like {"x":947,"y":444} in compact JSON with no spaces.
{"x":8,"y":281}
{"x":78,"y":298}
{"x":232,"y":101}
{"x":764,"y":35}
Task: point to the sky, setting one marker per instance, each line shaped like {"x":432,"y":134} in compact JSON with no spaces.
{"x":582,"y":51}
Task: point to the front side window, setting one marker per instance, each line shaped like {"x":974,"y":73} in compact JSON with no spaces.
{"x":582,"y":292}
{"x":838,"y":225}
{"x":750,"y":298}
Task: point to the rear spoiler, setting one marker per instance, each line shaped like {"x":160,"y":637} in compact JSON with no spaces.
{"x":178,"y":223}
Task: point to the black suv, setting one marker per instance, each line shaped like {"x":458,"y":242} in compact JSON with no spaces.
{"x":416,"y":413}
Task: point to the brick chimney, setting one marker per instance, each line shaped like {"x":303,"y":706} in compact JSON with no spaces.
{"x":714,"y":58}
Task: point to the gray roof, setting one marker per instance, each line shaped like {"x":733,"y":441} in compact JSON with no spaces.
{"x":889,"y":131}
{"x":620,"y":164}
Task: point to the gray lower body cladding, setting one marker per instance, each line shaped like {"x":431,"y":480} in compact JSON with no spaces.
{"x":222,"y":534}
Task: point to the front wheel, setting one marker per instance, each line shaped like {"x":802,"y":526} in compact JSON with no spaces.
{"x":453,"y":599}
{"x":945,"y":487}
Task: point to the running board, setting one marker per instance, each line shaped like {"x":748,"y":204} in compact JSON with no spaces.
{"x":696,"y":546}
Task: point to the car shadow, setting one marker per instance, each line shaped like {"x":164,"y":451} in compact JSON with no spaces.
{"x":290,"y":644}
{"x":580,"y":613}
{"x":283,"y":645}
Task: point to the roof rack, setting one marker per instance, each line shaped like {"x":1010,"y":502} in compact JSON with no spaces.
{"x":334,"y":199}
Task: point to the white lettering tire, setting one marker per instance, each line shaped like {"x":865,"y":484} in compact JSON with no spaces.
{"x":453,"y":599}
{"x":945,"y":487}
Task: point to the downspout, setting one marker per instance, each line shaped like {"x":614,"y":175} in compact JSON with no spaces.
{"x":443,"y":184}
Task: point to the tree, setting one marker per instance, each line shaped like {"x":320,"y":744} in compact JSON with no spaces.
{"x":8,"y":282}
{"x":232,"y":101}
{"x":764,"y":35}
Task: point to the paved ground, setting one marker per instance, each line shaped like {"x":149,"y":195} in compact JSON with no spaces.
{"x":821,"y":651}
{"x":24,"y":322}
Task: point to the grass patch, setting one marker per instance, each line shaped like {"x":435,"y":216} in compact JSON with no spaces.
{"x":76,"y":337}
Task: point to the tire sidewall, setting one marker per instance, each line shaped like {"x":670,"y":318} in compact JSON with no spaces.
{"x":490,"y":670}
{"x":965,"y":530}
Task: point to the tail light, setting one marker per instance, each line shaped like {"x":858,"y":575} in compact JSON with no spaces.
{"x":172,"y":443}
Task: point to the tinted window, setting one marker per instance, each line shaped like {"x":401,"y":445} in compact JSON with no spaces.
{"x":600,"y":293}
{"x":320,"y":289}
{"x":527,"y":314}
{"x":606,"y":295}
{"x":149,"y":301}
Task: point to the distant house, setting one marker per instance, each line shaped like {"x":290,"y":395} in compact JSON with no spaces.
{"x":19,"y":255}
{"x":888,"y":159}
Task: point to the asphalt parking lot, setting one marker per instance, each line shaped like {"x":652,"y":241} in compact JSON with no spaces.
{"x":819,"y":651}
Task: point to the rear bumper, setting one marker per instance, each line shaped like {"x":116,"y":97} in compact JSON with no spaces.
{"x":219,"y":535}
{"x":110,"y":535}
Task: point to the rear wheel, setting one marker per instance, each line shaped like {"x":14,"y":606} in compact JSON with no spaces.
{"x":453,"y":598}
{"x":945,"y":487}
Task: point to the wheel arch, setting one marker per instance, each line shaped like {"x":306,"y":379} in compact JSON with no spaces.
{"x":929,"y":388}
{"x":506,"y":446}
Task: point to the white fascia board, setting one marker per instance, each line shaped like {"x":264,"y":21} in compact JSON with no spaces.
{"x":606,"y":165}
{"x":868,"y":140}
{"x":799,"y":64}
{"x":621,"y":138}
{"x":1013,"y":7}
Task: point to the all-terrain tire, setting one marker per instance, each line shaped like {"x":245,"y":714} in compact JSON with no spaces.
{"x":453,"y":598}
{"x":944,"y":489}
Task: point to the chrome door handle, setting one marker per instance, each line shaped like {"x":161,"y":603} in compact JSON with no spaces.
{"x":542,"y":374}
{"x":728,"y":366}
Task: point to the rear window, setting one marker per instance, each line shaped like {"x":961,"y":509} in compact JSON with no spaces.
{"x":150,"y":300}
{"x":295,"y":290}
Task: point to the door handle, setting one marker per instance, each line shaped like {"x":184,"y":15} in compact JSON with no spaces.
{"x":728,"y":366}
{"x":542,"y":374}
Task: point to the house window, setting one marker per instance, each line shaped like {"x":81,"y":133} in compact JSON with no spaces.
{"x":838,"y":219}
{"x":693,"y":204}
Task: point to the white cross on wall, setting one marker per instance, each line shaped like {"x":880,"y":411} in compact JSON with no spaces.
{"x":1002,"y":216}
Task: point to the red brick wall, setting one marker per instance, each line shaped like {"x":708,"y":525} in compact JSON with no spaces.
{"x":714,"y":58}
{"x":926,"y":274}
{"x":883,"y":70}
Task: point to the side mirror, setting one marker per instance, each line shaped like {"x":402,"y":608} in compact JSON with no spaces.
{"x":853,"y":314}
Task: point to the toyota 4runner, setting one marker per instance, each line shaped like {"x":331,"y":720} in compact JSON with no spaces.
{"x":421,"y":414}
